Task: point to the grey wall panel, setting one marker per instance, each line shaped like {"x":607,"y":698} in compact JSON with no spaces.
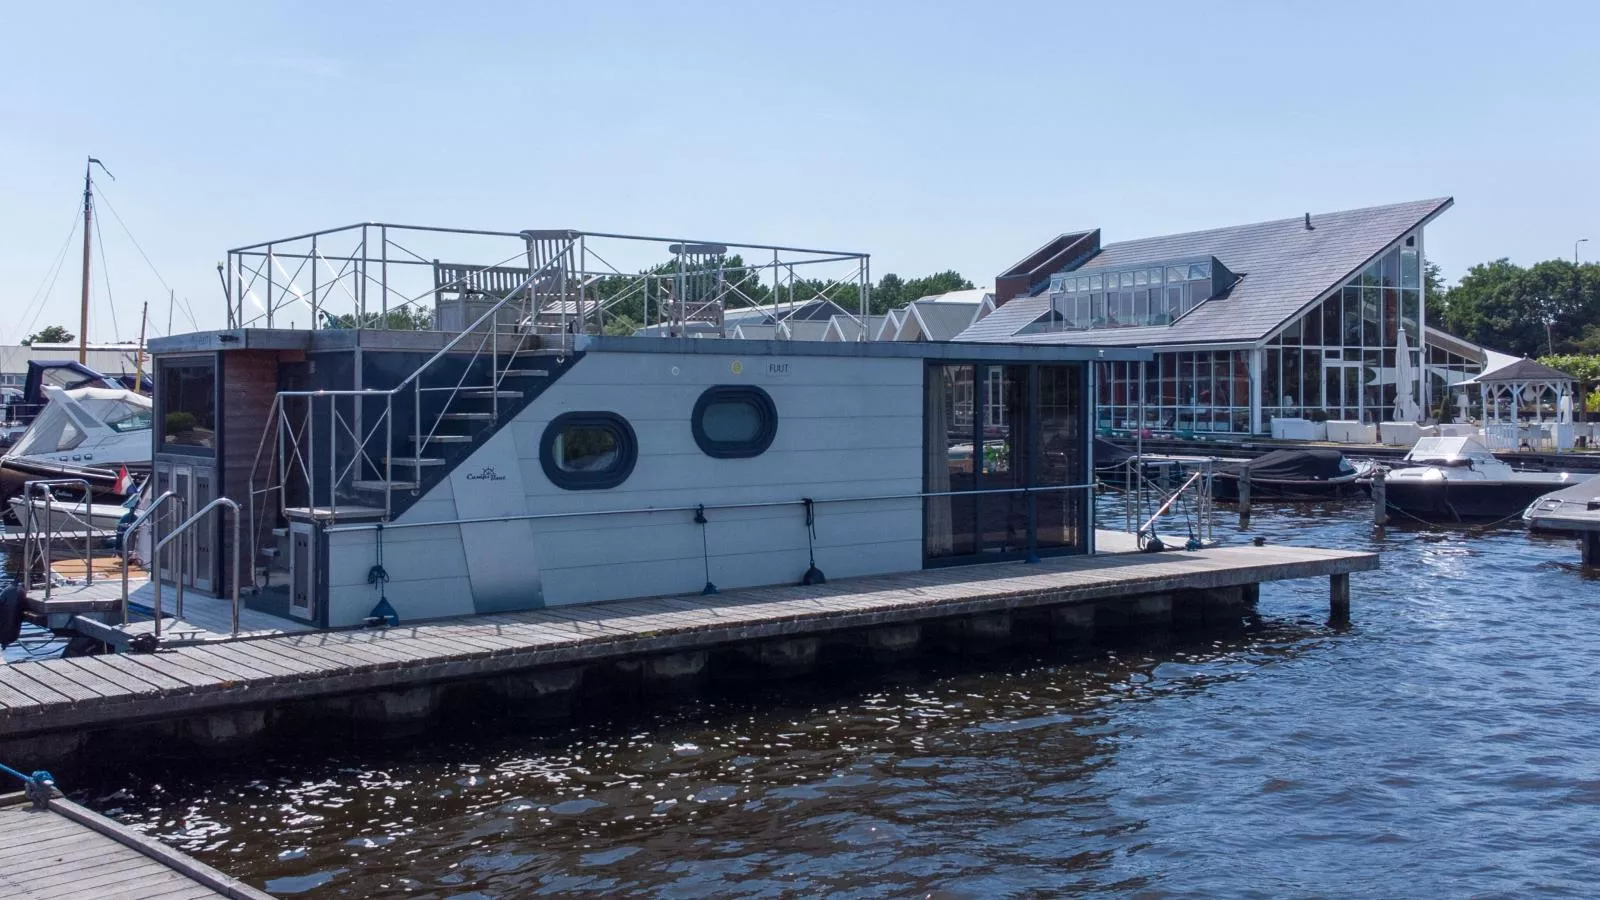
{"x":672,"y":401}
{"x":788,"y":490}
{"x":408,"y":554}
{"x":636,"y":369}
{"x":699,"y":478}
{"x":489,"y":484}
{"x":427,"y":574}
{"x":655,"y":537}
{"x":848,"y":427}
{"x":626,"y":578}
{"x":674,"y":435}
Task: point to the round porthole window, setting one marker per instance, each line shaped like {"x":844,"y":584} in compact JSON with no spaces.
{"x":734,"y":421}
{"x":585,"y":451}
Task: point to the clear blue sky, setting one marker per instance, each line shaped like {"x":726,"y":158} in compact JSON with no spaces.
{"x":932,"y":135}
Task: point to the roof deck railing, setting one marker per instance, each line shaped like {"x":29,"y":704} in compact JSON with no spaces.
{"x":380,"y":275}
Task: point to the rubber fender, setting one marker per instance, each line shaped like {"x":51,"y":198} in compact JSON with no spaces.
{"x":10,"y":614}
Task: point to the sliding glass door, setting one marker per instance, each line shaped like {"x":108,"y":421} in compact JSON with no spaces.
{"x":1004,"y":461}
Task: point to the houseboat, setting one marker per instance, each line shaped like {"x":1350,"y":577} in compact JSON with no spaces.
{"x":418,"y":439}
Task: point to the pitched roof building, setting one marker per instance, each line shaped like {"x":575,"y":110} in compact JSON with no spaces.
{"x":1298,"y":317}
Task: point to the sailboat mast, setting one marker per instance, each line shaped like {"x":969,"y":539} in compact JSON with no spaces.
{"x":138,"y":366}
{"x":88,"y":220}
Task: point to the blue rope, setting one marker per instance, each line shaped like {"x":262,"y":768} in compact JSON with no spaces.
{"x":36,"y":786}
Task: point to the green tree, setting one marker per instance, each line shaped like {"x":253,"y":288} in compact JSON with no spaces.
{"x":403,"y":318}
{"x":893,"y":292}
{"x":50,"y":334}
{"x":1437,"y":295}
{"x":1552,"y":305}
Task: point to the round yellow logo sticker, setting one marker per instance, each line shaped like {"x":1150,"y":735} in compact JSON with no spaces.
{"x":737,"y":367}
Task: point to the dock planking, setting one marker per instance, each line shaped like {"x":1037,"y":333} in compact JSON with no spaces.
{"x":65,"y":850}
{"x":85,"y":693}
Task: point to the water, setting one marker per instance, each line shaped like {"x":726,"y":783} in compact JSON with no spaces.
{"x":1443,"y":745}
{"x":34,"y":642}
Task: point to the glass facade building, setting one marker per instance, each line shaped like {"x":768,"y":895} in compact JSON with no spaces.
{"x":1337,"y":360}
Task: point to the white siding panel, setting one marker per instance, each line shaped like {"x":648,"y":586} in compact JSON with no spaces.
{"x":686,"y":576}
{"x":634,"y":369}
{"x":653,"y":538}
{"x":413,"y":601}
{"x":846,"y":428}
{"x":674,"y":402}
{"x":666,"y":437}
{"x":409,"y":553}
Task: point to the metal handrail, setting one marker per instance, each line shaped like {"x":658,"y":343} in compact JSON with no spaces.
{"x":178,"y":569}
{"x":30,"y":540}
{"x":755,"y":504}
{"x":492,"y":337}
{"x":127,"y":546}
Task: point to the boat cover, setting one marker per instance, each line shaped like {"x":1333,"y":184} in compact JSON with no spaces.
{"x":1308,"y":464}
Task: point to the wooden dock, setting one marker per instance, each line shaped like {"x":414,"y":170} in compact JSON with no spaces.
{"x":70,"y":696}
{"x":65,"y":850}
{"x":92,"y":609}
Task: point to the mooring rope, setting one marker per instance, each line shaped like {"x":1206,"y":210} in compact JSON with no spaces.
{"x":38,"y":787}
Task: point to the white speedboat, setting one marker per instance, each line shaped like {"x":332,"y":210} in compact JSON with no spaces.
{"x":66,"y":515}
{"x":1547,"y":512}
{"x":1457,"y":479}
{"x":89,"y":432}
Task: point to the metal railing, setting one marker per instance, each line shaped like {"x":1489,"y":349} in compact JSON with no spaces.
{"x":33,"y":543}
{"x":297,"y":446}
{"x":753,"y":504}
{"x":178,"y":569}
{"x":127,"y":545}
{"x":1192,"y":497}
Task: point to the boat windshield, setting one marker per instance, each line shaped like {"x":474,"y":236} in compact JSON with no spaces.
{"x":125,"y":417}
{"x":1449,"y":451}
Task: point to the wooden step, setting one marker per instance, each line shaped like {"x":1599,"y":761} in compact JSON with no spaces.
{"x":525,"y":373}
{"x":443,"y":439}
{"x":468,"y":416}
{"x":486,"y":393}
{"x":415,"y":462}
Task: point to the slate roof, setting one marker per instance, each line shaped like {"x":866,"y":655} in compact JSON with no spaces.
{"x":802,"y":330}
{"x":940,"y":320}
{"x":1284,"y":268}
{"x":848,"y":328}
{"x":969,"y":295}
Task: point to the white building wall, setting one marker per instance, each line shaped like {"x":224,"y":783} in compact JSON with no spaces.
{"x":847,"y":427}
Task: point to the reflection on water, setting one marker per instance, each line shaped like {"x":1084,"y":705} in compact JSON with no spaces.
{"x":1442,"y":745}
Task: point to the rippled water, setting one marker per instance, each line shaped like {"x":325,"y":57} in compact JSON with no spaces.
{"x":1444,"y":745}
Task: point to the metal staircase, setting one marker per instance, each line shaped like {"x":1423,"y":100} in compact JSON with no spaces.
{"x":370,"y":454}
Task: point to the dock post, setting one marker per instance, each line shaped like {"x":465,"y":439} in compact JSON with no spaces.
{"x":1244,"y":497}
{"x":1591,"y":549}
{"x":1339,"y":598}
{"x":1380,"y":498}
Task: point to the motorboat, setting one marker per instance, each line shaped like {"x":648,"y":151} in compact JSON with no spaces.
{"x":88,"y":433}
{"x":1546,"y":513}
{"x":1457,"y":479}
{"x":1310,"y":473}
{"x":66,"y":515}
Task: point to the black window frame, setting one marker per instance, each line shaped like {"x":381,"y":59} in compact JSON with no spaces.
{"x":736,"y":393}
{"x":1089,"y":405}
{"x":158,"y":425}
{"x":613,"y":476}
